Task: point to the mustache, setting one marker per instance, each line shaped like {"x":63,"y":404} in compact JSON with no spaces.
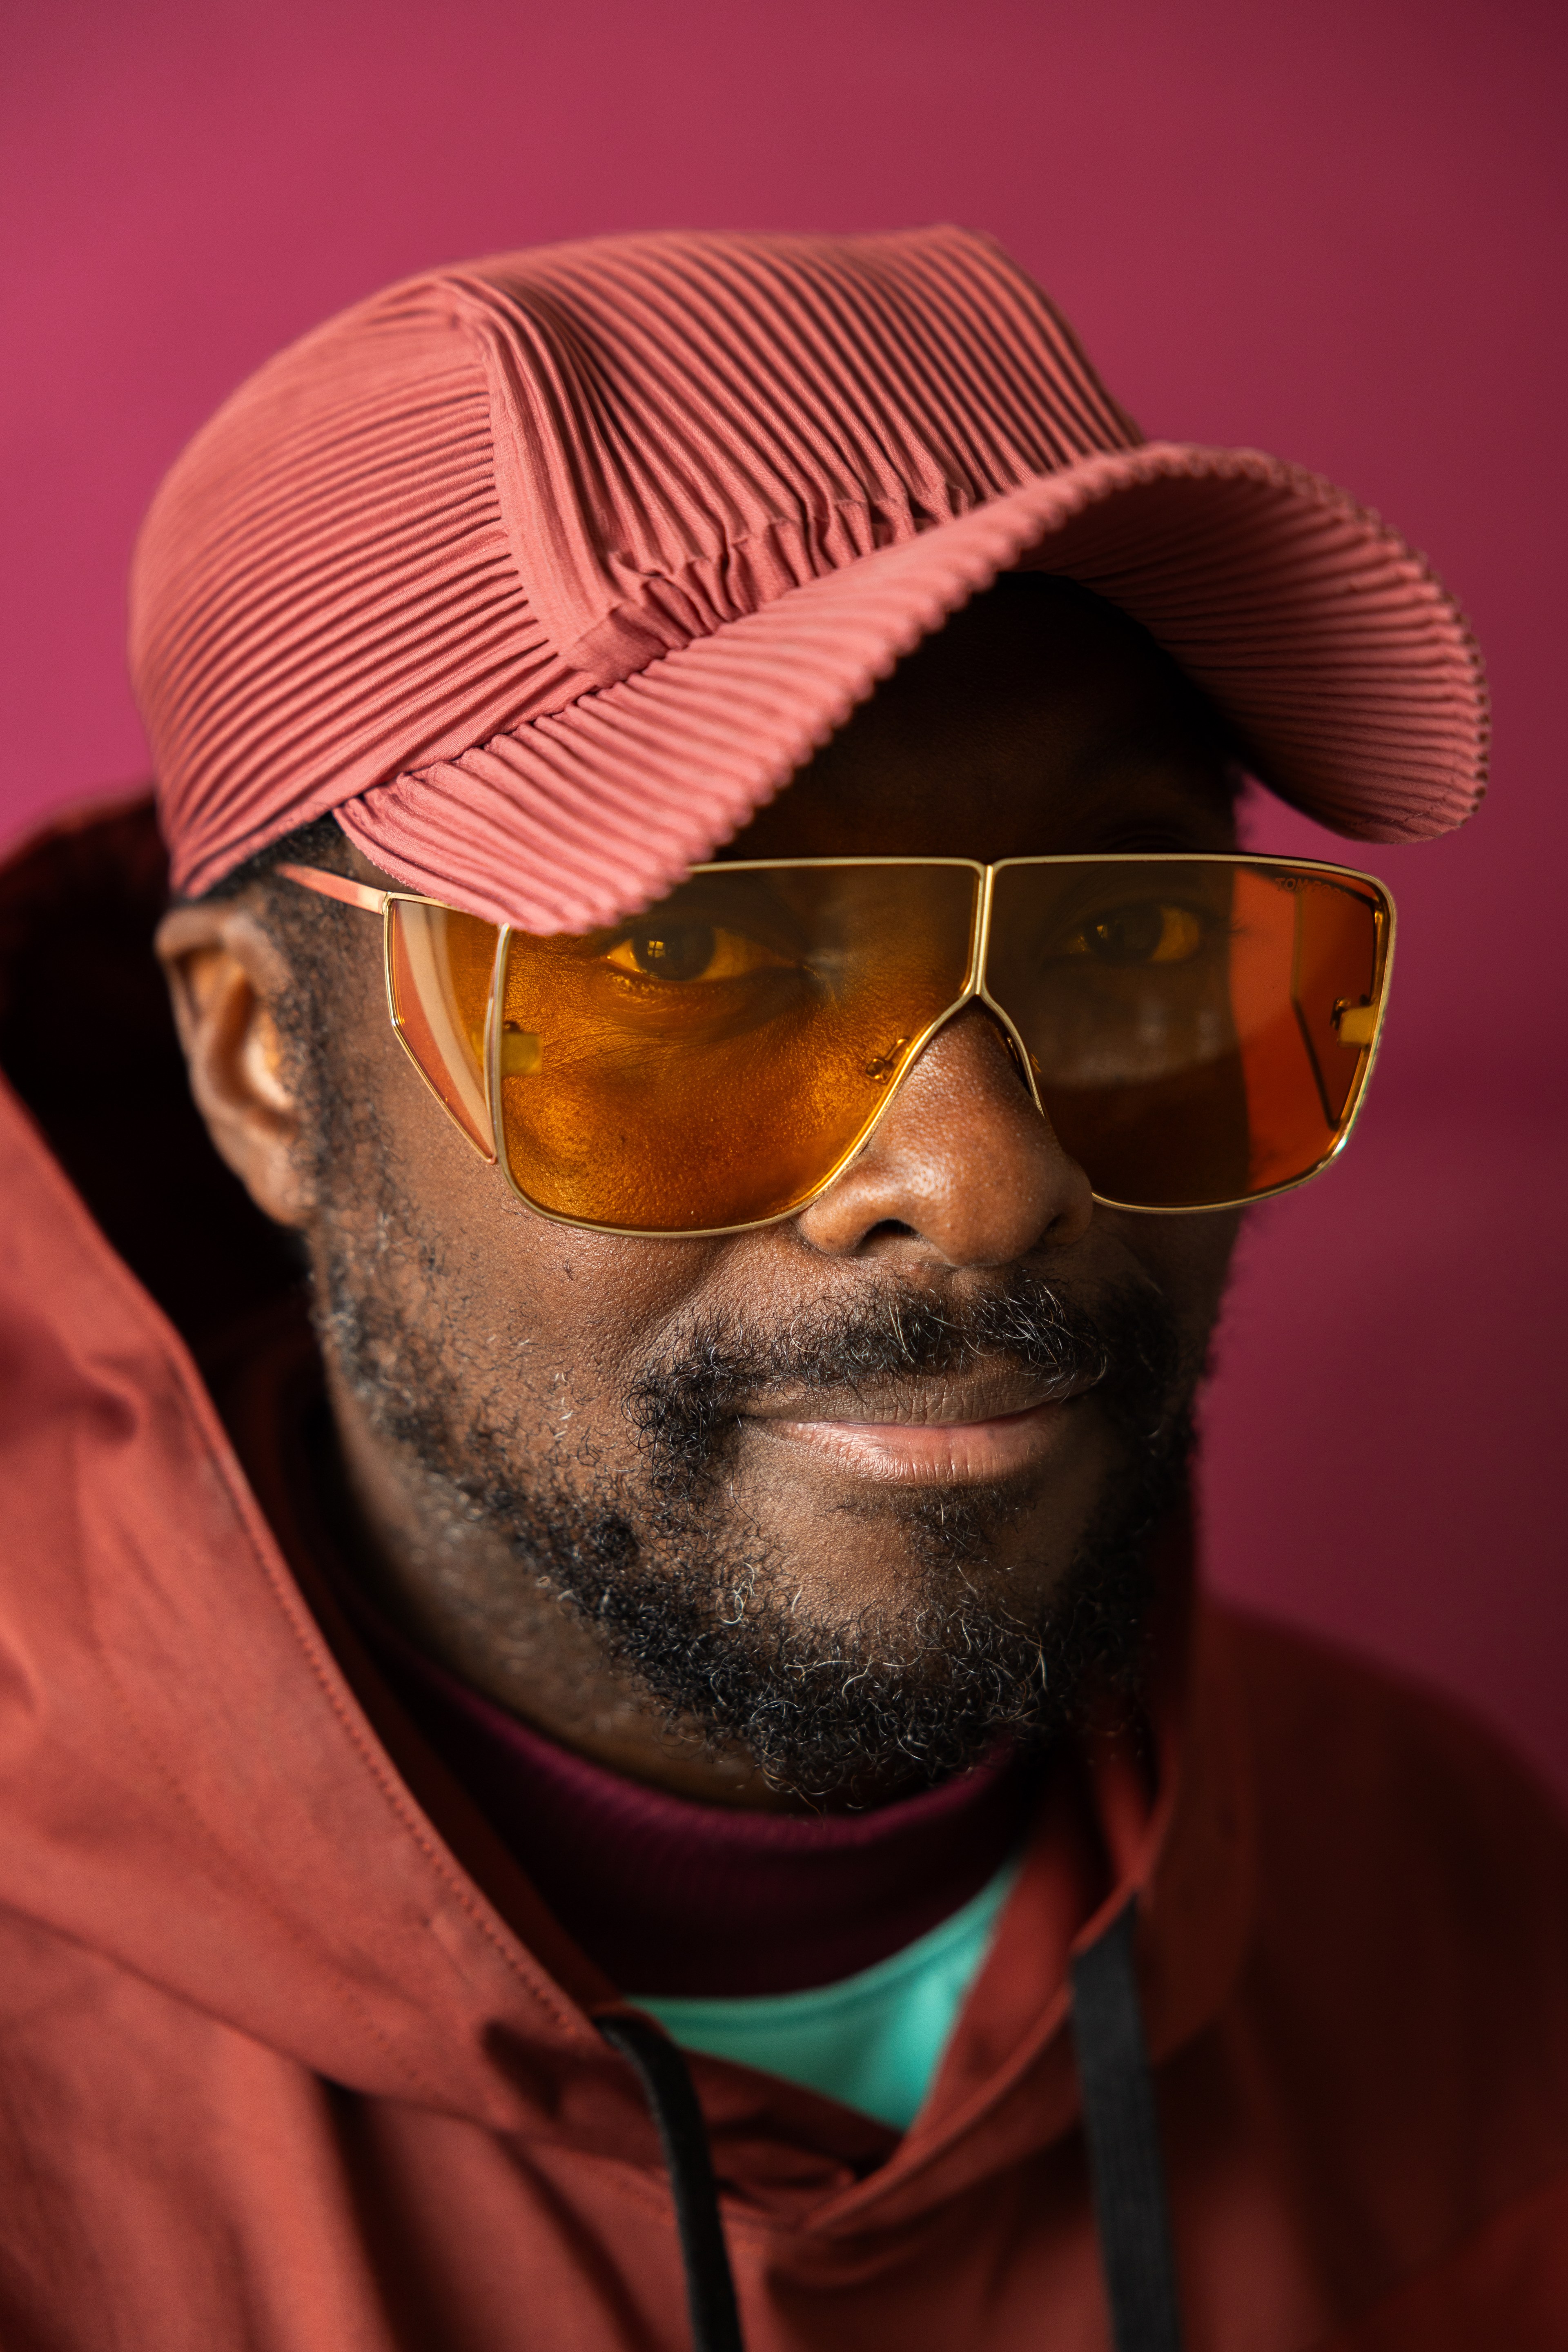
{"x":1125,"y":1346}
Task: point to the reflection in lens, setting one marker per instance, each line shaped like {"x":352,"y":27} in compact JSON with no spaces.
{"x":1180,"y":1016}
{"x":1149,"y":933}
{"x":439,"y":967}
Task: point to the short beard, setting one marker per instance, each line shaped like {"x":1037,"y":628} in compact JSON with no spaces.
{"x":689,"y":1601}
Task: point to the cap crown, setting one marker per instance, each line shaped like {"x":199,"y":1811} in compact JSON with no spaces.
{"x":492,"y":490}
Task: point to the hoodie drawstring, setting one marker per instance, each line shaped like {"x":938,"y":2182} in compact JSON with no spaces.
{"x":1119,"y":2121}
{"x":667,"y":2086}
{"x":1122,"y":2129}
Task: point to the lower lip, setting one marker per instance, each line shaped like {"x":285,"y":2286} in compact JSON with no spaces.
{"x":931,"y":1453}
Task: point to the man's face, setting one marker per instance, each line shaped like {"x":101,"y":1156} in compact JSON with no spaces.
{"x":849,"y":1493}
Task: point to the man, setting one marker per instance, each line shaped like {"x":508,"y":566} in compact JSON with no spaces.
{"x":654,"y":1770}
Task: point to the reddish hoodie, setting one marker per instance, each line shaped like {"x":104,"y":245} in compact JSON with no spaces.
{"x":293,"y":2058}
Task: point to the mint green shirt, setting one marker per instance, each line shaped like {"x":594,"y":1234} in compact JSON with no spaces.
{"x":873,"y":2041}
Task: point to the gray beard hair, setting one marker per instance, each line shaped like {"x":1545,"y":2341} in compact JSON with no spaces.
{"x":689,"y":1601}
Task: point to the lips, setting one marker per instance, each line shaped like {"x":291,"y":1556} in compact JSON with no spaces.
{"x":976,"y":1437}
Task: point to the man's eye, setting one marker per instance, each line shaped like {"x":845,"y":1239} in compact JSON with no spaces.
{"x":683,"y":952}
{"x":1146,"y":933}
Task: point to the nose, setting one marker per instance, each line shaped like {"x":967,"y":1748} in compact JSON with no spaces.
{"x":962,"y":1172}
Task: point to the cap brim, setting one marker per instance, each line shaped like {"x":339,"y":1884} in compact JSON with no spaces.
{"x":1344,"y":666}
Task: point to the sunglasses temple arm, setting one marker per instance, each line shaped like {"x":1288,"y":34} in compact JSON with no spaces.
{"x":339,"y":887}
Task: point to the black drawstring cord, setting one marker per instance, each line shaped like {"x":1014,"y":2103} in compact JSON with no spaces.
{"x":1122,"y":2129}
{"x":1120,"y":2125}
{"x":667,"y":2085}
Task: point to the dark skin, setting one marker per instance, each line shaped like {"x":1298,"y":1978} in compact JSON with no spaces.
{"x":1033,"y":725}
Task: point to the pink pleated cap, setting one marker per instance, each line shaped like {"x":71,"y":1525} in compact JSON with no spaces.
{"x":544,"y":572}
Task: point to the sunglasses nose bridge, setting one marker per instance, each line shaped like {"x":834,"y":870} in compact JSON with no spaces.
{"x":1013,"y":1038}
{"x":973,"y":990}
{"x":959,"y":1170}
{"x":975,"y":998}
{"x":978,"y":989}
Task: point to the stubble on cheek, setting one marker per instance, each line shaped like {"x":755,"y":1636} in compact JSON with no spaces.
{"x":576,"y":1517}
{"x":831,"y":1641}
{"x":500,"y":1413}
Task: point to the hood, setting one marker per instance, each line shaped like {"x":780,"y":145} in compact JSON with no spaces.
{"x":203,"y":1780}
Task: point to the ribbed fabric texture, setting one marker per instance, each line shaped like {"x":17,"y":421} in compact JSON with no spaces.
{"x":545,"y":571}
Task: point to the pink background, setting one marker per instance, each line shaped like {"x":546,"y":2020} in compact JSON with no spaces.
{"x":1334,"y":231}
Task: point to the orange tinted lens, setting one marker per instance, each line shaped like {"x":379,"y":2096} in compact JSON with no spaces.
{"x":439,"y":968}
{"x":710,"y":1064}
{"x":1199,"y":1028}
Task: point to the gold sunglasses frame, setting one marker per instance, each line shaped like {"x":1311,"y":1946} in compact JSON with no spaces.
{"x":1366,"y":1035}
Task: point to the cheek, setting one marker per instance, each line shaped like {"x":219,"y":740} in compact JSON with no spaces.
{"x":1188,"y":1259}
{"x":501,"y":1288}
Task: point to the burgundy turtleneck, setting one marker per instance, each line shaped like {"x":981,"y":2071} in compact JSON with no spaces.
{"x":673,"y":1896}
{"x":667,"y":1895}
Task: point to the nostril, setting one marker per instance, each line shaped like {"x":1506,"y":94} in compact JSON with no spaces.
{"x":892,"y":1229}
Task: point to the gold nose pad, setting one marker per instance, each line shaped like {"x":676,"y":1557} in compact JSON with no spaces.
{"x":1025,"y":1067}
{"x":884,"y":1065}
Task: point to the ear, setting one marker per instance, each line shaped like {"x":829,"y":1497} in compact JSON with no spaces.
{"x":224,"y":972}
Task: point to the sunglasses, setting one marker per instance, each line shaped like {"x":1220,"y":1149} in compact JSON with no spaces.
{"x":1198,"y":1030}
